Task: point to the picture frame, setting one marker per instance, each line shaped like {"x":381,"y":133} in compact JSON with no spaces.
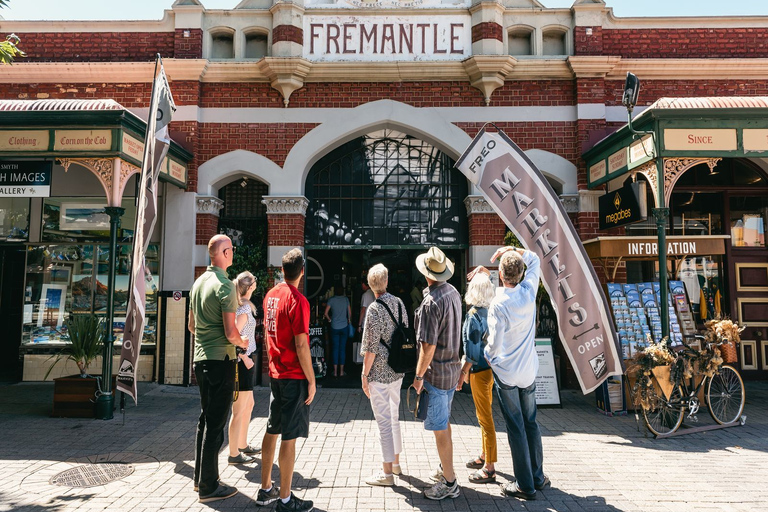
{"x":52,"y":301}
{"x":61,"y":273}
{"x":83,"y":217}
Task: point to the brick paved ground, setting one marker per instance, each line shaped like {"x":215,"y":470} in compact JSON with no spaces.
{"x":596,"y":463}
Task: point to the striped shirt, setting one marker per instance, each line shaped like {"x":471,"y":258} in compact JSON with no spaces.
{"x":438,"y":322}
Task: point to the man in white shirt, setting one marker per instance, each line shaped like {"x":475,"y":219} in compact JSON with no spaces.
{"x":365,"y":301}
{"x":511,"y":353}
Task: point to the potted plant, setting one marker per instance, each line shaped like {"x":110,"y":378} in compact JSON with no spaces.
{"x":74,"y":396}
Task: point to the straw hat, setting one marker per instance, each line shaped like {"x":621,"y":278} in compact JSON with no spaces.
{"x":435,"y":265}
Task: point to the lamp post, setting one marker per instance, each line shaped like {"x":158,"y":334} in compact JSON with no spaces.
{"x":105,"y":402}
{"x":661,"y":212}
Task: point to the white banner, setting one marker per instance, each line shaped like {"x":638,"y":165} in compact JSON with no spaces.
{"x":387,"y":38}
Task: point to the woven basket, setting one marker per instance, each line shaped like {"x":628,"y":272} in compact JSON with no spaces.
{"x":728,"y":353}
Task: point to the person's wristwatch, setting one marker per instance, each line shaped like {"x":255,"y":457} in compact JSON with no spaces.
{"x":419,"y":378}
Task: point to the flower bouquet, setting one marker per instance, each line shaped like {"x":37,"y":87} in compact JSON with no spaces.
{"x":655,"y":359}
{"x":724,"y":334}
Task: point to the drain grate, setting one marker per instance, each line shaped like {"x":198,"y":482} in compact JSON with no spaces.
{"x":92,"y":475}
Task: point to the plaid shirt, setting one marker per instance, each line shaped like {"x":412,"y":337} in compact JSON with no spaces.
{"x":438,"y":322}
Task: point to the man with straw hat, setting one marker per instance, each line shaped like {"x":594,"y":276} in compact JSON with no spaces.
{"x":438,"y":332}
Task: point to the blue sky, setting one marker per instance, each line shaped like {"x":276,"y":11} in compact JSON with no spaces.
{"x":153,"y":9}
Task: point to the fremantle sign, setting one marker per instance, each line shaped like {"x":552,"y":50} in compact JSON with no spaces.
{"x":387,"y":38}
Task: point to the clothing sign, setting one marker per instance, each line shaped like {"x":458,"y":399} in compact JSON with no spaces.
{"x":620,"y":207}
{"x":156,"y":144}
{"x":25,"y":179}
{"x":547,"y":392}
{"x":520,"y":194}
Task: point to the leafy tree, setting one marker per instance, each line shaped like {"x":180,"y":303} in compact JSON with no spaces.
{"x":8,"y":48}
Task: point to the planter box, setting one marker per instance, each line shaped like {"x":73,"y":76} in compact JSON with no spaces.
{"x":75,"y":397}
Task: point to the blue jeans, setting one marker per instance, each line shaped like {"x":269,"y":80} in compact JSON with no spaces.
{"x":518,"y":406}
{"x":439,"y":410}
{"x":339,"y":345}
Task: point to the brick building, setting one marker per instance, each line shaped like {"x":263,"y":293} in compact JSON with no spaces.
{"x":333,"y":125}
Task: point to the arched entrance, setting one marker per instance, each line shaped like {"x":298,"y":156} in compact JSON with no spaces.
{"x":382,"y":197}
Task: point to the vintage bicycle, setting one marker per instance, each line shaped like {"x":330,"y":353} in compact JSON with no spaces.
{"x":670,"y":393}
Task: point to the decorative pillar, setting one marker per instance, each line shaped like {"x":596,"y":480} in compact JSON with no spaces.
{"x":188,"y":30}
{"x":285,"y":216}
{"x":486,"y":231}
{"x":487,"y":27}
{"x":287,"y":29}
{"x":207,"y":225}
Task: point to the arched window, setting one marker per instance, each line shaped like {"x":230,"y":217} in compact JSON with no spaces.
{"x":386,"y":189}
{"x":256,"y":45}
{"x":520,"y":41}
{"x":554,"y":41}
{"x":223,"y":43}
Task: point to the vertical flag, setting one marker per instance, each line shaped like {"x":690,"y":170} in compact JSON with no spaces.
{"x":156,"y":144}
{"x":520,"y":194}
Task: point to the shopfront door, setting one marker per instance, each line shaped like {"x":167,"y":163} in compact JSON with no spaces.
{"x":748,"y":261}
{"x":12,"y":307}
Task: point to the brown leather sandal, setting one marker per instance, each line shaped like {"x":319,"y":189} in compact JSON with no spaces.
{"x":476,"y":463}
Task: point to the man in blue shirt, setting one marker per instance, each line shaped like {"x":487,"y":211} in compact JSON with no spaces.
{"x":511,"y":352}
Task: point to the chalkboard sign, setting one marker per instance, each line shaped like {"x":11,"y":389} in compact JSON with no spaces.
{"x":547,"y":391}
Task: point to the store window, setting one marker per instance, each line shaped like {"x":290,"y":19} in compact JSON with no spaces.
{"x":74,"y":219}
{"x":696,"y":213}
{"x":748,"y":220}
{"x":64,"y":279}
{"x":14,"y":219}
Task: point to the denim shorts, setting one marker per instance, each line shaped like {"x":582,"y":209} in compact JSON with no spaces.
{"x":439,"y":411}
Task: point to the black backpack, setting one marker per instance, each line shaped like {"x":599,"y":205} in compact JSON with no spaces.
{"x":402,"y":344}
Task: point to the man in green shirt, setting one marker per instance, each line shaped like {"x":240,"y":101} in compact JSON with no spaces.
{"x":213,"y":303}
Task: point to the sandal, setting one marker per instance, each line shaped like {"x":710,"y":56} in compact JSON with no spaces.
{"x":476,"y":463}
{"x":483,"y":476}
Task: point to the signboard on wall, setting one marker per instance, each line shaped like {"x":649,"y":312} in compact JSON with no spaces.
{"x":547,"y":392}
{"x":387,"y":38}
{"x":25,"y":179}
{"x":622,"y":207}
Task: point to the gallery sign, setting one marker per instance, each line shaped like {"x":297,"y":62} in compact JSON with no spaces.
{"x":387,"y":38}
{"x":25,"y":179}
{"x":523,"y":198}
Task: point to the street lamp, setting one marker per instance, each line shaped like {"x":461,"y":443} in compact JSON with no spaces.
{"x":661,"y":213}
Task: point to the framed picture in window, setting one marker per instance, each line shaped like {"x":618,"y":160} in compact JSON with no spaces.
{"x":83,"y":217}
{"x":51,"y":312}
{"x":61,"y":273}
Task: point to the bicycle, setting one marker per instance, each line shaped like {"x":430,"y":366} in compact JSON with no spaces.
{"x":724,"y":395}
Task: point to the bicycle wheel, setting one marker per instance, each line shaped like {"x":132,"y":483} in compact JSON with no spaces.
{"x":665,"y":415}
{"x":725,"y":395}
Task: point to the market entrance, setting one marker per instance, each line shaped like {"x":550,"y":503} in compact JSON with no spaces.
{"x":384,"y":198}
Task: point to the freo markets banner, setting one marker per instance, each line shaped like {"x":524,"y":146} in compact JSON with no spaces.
{"x":520,"y":194}
{"x":370,"y":38}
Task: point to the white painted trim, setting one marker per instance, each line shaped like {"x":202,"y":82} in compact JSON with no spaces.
{"x":556,"y":168}
{"x":425,"y":123}
{"x":200,"y":256}
{"x":591,"y":110}
{"x":322,"y":115}
{"x":220,"y":170}
{"x":619,"y":114}
{"x":481,"y":255}
{"x":275,"y":254}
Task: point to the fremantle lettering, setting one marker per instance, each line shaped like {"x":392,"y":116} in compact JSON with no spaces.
{"x":381,"y":38}
{"x":528,"y":206}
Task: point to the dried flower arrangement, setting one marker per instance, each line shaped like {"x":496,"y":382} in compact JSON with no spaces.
{"x":641,"y":368}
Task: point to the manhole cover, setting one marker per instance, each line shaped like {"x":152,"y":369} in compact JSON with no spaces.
{"x":92,"y":475}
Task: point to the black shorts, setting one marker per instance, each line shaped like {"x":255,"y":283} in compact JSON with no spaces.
{"x":288,"y":414}
{"x":245,"y":377}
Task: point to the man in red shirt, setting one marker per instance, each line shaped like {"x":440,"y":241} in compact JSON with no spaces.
{"x":286,"y":330}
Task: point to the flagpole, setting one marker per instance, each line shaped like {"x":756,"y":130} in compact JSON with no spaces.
{"x":105,"y":402}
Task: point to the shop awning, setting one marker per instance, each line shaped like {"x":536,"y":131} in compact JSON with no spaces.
{"x":691,"y":131}
{"x":72,"y":129}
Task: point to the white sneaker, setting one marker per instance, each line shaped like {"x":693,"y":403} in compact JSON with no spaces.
{"x":440,"y":490}
{"x":437,"y":475}
{"x":396,"y":469}
{"x":381,"y":480}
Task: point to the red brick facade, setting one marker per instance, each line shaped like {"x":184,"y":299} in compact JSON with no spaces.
{"x":693,"y":43}
{"x":487,"y":30}
{"x":207,"y":226}
{"x":288,"y":33}
{"x":486,"y":229}
{"x":95,"y":46}
{"x":188,"y":46}
{"x":286,"y":229}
